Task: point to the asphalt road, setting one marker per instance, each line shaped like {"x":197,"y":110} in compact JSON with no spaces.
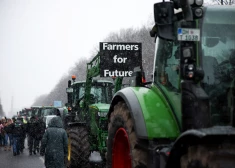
{"x":24,"y":160}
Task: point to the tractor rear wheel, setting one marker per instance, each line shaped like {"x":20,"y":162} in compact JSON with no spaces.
{"x":79,"y":147}
{"x":122,"y":141}
{"x":69,"y":151}
{"x":209,"y":157}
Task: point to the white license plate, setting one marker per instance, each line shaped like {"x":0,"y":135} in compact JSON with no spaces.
{"x":185,"y":34}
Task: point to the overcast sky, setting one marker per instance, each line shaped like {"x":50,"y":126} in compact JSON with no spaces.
{"x":40,"y":40}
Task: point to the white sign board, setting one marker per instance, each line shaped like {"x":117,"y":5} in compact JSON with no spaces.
{"x":185,"y":34}
{"x":57,"y":104}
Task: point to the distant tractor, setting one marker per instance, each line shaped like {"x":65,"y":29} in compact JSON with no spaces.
{"x":46,"y":110}
{"x":26,"y":112}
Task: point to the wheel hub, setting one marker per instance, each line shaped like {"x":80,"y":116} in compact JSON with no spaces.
{"x":121,"y":155}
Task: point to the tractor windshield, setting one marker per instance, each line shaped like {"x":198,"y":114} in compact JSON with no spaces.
{"x":101,"y":93}
{"x":48,"y":111}
{"x":35,"y":111}
{"x":26,"y":112}
{"x":78,"y":92}
{"x":218,"y":61}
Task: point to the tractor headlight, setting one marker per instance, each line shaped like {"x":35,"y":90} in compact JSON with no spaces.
{"x":187,"y":52}
{"x":199,"y":2}
{"x":198,"y":12}
{"x":191,"y":2}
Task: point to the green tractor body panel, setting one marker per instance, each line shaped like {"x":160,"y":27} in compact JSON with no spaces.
{"x":98,"y":129}
{"x":97,"y":111}
{"x":159,"y":119}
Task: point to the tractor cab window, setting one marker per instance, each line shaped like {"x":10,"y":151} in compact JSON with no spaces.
{"x":49,"y":111}
{"x":218,"y":60}
{"x":35,"y":112}
{"x":166,"y":74}
{"x":102,"y":93}
{"x":167,"y":66}
{"x":79,"y":90}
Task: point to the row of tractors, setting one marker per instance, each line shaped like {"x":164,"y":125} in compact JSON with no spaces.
{"x":38,"y":112}
{"x":180,"y":119}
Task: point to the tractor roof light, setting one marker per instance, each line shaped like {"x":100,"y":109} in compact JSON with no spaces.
{"x":73,"y":77}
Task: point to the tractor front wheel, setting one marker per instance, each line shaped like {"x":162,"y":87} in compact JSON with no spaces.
{"x":79,"y":148}
{"x":122,"y":141}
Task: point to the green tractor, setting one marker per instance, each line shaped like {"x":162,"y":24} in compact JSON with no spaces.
{"x":88,"y":104}
{"x":185,"y":118}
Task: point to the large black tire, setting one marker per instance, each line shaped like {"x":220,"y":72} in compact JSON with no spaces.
{"x":121,"y":118}
{"x":68,"y":162}
{"x":209,"y":157}
{"x":80,"y":148}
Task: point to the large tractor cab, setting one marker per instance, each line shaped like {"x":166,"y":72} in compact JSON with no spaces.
{"x":100,"y":96}
{"x":185,"y":119}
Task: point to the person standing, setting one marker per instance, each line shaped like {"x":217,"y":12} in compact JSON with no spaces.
{"x":54,"y":144}
{"x":1,"y":137}
{"x":4,"y":134}
{"x":17,"y":131}
{"x":8,"y":129}
{"x":40,"y":130}
{"x":32,"y":132}
{"x":23,"y":136}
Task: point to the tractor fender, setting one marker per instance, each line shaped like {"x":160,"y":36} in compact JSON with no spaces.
{"x":213,"y":135}
{"x":128,"y":96}
{"x":152,"y":115}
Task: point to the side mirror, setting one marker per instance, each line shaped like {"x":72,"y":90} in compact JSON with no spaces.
{"x":137,"y":77}
{"x":69,"y":83}
{"x":163,"y":16}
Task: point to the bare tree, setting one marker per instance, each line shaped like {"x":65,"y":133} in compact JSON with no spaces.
{"x":79,"y":70}
{"x":59,"y":91}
